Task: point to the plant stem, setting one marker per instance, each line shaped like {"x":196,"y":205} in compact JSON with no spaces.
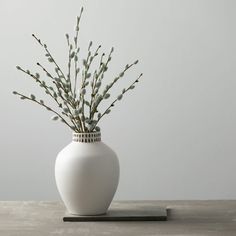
{"x":110,"y":86}
{"x":76,"y":50}
{"x":113,"y":103}
{"x":47,"y":107}
{"x":87,"y":65}
{"x":102,"y":69}
{"x":72,"y":117}
{"x":50,"y":55}
{"x":42,"y":84}
{"x":49,"y":75}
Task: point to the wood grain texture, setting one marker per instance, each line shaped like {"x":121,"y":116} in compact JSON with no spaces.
{"x":184,"y":218}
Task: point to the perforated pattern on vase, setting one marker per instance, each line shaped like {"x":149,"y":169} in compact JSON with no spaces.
{"x":87,"y":137}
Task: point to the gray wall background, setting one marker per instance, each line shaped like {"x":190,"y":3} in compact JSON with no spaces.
{"x":175,"y":134}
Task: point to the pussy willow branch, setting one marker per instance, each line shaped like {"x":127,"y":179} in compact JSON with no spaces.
{"x":69,"y":64}
{"x":76,"y":50}
{"x":45,"y":70}
{"x":105,"y":91}
{"x":98,"y":77}
{"x":85,"y":76}
{"x":94,"y":81}
{"x":105,"y":66}
{"x":77,"y":27}
{"x":89,"y":64}
{"x":70,"y":48}
{"x":102,"y":67}
{"x":59,"y":92}
{"x":48,"y":92}
{"x":72,"y":117}
{"x":76,"y":70}
{"x":62,"y":98}
{"x":60,"y":95}
{"x":50,"y":55}
{"x":92,"y":93}
{"x":41,"y":83}
{"x":68,"y":108}
{"x":72,"y":102}
{"x":58,"y":86}
{"x":116,"y":100}
{"x":81,"y":95}
{"x":42,"y":104}
{"x":50,"y":76}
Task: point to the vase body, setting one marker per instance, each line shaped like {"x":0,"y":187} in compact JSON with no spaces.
{"x":87,"y":175}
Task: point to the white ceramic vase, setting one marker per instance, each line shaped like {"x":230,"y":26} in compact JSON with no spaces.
{"x":87,"y":174}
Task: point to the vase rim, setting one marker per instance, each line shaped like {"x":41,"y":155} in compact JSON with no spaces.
{"x":86,"y":137}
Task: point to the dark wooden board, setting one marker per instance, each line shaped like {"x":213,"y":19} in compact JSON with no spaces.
{"x":140,"y":214}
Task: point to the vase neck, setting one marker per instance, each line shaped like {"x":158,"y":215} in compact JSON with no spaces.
{"x":91,"y":137}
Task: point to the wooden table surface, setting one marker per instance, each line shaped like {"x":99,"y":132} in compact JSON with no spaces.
{"x":184,"y":218}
